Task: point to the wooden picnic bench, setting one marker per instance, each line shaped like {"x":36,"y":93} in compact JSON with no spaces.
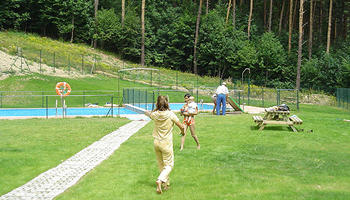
{"x":277,"y":117}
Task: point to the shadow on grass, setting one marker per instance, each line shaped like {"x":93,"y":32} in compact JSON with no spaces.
{"x":283,"y":128}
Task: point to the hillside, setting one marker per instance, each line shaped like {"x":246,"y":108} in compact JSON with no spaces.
{"x":64,"y":61}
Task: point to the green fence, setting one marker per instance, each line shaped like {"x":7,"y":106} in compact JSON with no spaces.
{"x":37,"y":99}
{"x":82,"y":63}
{"x":262,"y":97}
{"x":343,"y":97}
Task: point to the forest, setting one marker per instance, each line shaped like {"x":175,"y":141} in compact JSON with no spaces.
{"x":302,"y":44}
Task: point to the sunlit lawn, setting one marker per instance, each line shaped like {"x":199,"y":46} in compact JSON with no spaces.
{"x":236,"y":161}
{"x":30,"y":147}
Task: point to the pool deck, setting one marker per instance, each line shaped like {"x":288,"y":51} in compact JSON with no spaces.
{"x":247,"y":109}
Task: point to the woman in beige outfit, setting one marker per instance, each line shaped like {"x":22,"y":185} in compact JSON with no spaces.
{"x":164,"y":121}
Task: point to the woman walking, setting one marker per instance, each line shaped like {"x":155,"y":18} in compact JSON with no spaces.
{"x":164,"y":121}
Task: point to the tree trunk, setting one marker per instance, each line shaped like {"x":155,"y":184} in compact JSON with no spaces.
{"x":207,"y":8}
{"x":195,"y":70}
{"x":72,"y":32}
{"x":290,"y":26}
{"x":310,"y":28}
{"x":281,"y":18}
{"x":265,"y":13}
{"x":228,"y":11}
{"x":320,"y":21}
{"x":234,"y":14}
{"x":346,"y":26}
{"x":329,"y":26}
{"x":123,"y":12}
{"x":270,"y":16}
{"x":143,"y":33}
{"x":300,"y":43}
{"x":96,"y":8}
{"x":250,"y":17}
{"x":295,"y":13}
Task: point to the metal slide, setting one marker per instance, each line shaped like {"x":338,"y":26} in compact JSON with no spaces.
{"x":234,"y":105}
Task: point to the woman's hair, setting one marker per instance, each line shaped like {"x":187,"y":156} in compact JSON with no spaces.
{"x":187,"y":95}
{"x":162,"y":103}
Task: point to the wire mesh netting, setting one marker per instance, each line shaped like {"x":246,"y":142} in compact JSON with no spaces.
{"x":343,"y":97}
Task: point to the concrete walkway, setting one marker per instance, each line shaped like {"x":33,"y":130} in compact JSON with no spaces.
{"x":55,"y":181}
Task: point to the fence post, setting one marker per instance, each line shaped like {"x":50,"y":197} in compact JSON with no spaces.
{"x":82,"y":63}
{"x":262,"y":93}
{"x":239,"y":97}
{"x":40,"y":61}
{"x":21,"y":59}
{"x":42,"y":99}
{"x":146,"y":102}
{"x":153,"y":101}
{"x":84,"y":98}
{"x":112,"y":104}
{"x":139,"y":98}
{"x":298,"y":99}
{"x":248,"y":91}
{"x":347,"y":99}
{"x":176,"y":80}
{"x":47,"y":108}
{"x":54,"y":64}
{"x":68,"y":64}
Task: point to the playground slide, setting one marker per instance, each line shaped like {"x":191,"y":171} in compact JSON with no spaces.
{"x":234,"y":105}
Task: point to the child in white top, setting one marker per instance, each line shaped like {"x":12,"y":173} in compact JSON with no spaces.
{"x":192,"y":106}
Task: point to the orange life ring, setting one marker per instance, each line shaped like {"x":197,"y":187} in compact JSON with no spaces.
{"x":63,"y":89}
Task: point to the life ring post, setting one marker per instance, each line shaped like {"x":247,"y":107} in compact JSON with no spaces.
{"x":63,"y":89}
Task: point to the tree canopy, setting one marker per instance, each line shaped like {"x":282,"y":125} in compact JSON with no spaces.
{"x":223,"y":49}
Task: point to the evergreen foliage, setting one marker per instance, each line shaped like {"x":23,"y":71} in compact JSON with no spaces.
{"x":224,"y":49}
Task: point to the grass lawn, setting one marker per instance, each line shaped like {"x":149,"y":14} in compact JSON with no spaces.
{"x":236,"y":160}
{"x":32,"y":146}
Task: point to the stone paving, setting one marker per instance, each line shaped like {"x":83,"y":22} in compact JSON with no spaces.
{"x":55,"y":181}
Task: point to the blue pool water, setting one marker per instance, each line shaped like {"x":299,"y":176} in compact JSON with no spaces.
{"x":175,"y":106}
{"x":34,"y":112}
{"x":70,"y":112}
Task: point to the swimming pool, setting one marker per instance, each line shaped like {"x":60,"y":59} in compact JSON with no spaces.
{"x":39,"y":112}
{"x":174,"y":106}
{"x":36,"y":112}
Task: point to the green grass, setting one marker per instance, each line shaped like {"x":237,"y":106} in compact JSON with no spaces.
{"x":30,"y":147}
{"x":236,"y":160}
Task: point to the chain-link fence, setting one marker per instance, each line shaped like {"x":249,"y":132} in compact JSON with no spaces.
{"x":343,"y":97}
{"x":31,"y":60}
{"x":37,"y":99}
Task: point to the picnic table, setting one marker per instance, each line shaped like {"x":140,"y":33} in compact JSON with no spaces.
{"x":277,"y":117}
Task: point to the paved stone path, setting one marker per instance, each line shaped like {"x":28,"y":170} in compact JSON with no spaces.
{"x":55,"y":181}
